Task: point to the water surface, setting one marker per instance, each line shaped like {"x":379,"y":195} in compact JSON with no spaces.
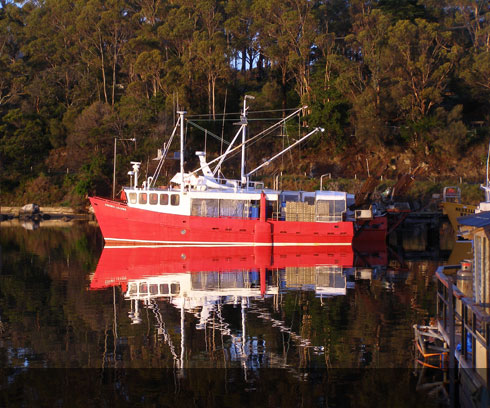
{"x":204,"y":326}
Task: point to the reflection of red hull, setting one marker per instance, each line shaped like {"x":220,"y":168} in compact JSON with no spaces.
{"x":118,"y":265}
{"x":370,"y":242}
{"x":123,"y":224}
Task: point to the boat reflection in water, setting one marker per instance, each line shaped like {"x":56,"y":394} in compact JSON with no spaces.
{"x":201,"y":280}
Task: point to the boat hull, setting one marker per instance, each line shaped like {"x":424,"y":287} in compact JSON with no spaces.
{"x":371,"y":232}
{"x":456,"y":210}
{"x":124,"y":225}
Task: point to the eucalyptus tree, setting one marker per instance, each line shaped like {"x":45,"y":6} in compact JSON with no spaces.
{"x":210,"y":47}
{"x":367,"y":75}
{"x":12,"y":70}
{"x":176,"y":34}
{"x":285,"y":34}
{"x":103,"y":27}
{"x":239,"y":32}
{"x":423,"y":59}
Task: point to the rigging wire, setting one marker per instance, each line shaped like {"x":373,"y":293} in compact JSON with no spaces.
{"x":260,"y":134}
{"x":237,"y":119}
{"x":239,"y":113}
{"x":264,"y":134}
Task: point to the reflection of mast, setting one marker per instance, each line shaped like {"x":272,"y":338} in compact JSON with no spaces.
{"x":182,"y":335}
{"x":281,"y":325}
{"x":244,"y":337}
{"x":134,"y":313}
{"x":161,"y":329}
{"x":115,"y":313}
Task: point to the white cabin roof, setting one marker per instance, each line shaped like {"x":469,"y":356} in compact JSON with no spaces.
{"x":331,"y":195}
{"x":231,"y":194}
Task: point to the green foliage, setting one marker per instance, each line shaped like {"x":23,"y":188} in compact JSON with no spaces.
{"x":417,"y":130}
{"x":91,"y":176}
{"x":23,"y":140}
{"x":403,"y":9}
{"x":330,"y":110}
{"x":394,"y":74}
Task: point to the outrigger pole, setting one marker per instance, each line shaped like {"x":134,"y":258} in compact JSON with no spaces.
{"x":318,"y":129}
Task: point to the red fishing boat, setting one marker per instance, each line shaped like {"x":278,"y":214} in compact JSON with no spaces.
{"x":199,"y":208}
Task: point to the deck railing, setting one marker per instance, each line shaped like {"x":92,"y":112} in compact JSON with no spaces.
{"x":469,"y":323}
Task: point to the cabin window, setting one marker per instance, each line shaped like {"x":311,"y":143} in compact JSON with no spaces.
{"x":143,"y":288}
{"x":234,"y":208}
{"x":290,"y":197}
{"x":175,"y":199}
{"x":143,"y":198}
{"x":153,"y":289}
{"x":175,"y":288}
{"x":330,"y":210}
{"x":205,"y":208}
{"x":164,"y":199}
{"x":310,"y":200}
{"x":153,"y":198}
{"x":133,"y":287}
{"x":221,"y":208}
{"x":132,"y":198}
{"x":164,"y":288}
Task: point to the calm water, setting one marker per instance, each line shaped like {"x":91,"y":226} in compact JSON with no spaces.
{"x":83,"y":325}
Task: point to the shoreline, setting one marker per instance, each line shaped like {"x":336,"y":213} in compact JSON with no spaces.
{"x":51,"y":223}
{"x":45,"y":213}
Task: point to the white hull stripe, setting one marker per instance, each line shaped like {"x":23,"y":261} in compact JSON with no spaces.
{"x":184,"y":244}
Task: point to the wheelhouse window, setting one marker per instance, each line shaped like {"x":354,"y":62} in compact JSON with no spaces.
{"x":222,"y":208}
{"x":132,"y":198}
{"x":153,"y":198}
{"x":174,"y":199}
{"x":164,"y":199}
{"x":143,"y":198}
{"x":330,"y":210}
{"x":175,"y":288}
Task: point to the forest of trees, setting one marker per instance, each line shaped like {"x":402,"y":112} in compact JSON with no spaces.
{"x":386,"y":74}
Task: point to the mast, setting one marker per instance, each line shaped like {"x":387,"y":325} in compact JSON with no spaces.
{"x":181,"y":114}
{"x":243,"y":177}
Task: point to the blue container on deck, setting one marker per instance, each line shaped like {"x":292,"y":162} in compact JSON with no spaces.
{"x":254,"y":211}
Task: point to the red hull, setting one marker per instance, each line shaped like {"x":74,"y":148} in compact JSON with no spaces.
{"x":121,"y":224}
{"x":118,"y":265}
{"x":371,"y":232}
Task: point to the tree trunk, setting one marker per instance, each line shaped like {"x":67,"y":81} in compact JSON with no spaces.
{"x":214,"y":97}
{"x":244,"y":60}
{"x":114,"y":65}
{"x":102,"y":63}
{"x":284,"y":92}
{"x":209,"y":95}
